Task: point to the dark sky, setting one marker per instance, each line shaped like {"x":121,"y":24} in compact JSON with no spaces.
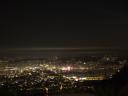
{"x":95,"y":24}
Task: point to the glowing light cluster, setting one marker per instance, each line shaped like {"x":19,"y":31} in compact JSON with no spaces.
{"x":68,"y":68}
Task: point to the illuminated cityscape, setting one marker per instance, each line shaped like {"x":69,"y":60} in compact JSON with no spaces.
{"x":57,"y":73}
{"x":64,"y":49}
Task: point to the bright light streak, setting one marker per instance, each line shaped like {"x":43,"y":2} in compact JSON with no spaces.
{"x":68,"y":68}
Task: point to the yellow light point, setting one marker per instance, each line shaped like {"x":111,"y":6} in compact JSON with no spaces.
{"x":74,"y":77}
{"x":84,"y":78}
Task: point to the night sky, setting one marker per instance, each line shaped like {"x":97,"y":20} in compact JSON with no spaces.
{"x":92,"y":24}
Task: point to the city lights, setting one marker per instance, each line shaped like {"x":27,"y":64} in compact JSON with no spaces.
{"x":26,"y":74}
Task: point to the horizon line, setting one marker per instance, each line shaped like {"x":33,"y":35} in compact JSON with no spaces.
{"x":65,"y":48}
